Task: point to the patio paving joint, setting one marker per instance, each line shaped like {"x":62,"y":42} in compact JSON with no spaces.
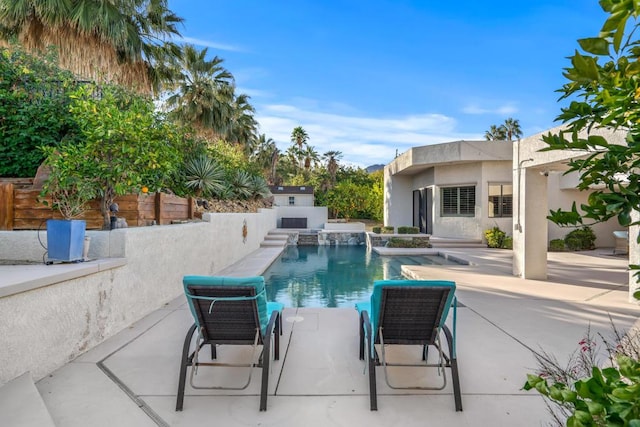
{"x":139,"y":402}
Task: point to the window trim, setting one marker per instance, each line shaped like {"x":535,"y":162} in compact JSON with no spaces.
{"x":458,"y":200}
{"x":490,"y":213}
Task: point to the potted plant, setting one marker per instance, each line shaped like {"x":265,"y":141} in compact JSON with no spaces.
{"x":69,"y":192}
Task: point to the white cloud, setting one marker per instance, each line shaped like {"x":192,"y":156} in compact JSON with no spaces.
{"x":362,"y":140}
{"x":211,"y":44}
{"x":502,"y":110}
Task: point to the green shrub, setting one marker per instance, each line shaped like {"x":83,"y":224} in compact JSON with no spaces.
{"x":387,"y":230}
{"x":495,"y":237}
{"x":556,"y":245}
{"x":404,"y":229}
{"x":578,"y":392}
{"x":507,"y":243}
{"x":376,"y":230}
{"x":581,"y":239}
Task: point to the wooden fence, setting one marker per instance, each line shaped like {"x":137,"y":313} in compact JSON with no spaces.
{"x":21,"y":208}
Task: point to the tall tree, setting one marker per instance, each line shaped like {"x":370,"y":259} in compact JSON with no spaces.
{"x":512,"y":128}
{"x":332,"y":158}
{"x":243,"y":127}
{"x":202,"y":93}
{"x":125,"y":41}
{"x":495,"y":133}
{"x":266,"y":155}
{"x":299,"y":136}
{"x":311,"y":157}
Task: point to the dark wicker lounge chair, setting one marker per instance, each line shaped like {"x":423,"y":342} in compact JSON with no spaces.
{"x":230,"y":311}
{"x":409,"y":312}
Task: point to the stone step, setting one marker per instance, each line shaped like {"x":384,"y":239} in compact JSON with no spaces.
{"x":21,"y":404}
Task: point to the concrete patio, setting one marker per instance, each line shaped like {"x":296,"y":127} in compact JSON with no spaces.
{"x":131,"y":379}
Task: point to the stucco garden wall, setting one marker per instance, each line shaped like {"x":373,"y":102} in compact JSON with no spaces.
{"x":44,"y":328}
{"x":316,"y":215}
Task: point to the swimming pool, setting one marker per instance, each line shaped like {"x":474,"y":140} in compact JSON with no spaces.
{"x":332,"y":276}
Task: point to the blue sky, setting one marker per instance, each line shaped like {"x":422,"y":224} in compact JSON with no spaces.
{"x":369,"y":78}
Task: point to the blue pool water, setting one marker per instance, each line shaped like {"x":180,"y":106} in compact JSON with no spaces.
{"x":331,"y":276}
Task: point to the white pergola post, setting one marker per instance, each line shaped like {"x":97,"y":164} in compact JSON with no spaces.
{"x":530,"y":224}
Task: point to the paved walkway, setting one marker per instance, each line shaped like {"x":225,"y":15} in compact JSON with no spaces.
{"x":131,"y":379}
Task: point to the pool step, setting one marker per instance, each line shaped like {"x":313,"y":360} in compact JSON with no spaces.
{"x":274,"y":239}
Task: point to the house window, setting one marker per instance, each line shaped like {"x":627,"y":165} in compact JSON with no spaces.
{"x":458,"y":201}
{"x":500,"y":200}
{"x":292,"y":200}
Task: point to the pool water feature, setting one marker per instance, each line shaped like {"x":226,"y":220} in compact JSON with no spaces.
{"x":333,"y":276}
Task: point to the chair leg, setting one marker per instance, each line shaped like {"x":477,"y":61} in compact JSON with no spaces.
{"x":455,"y":378}
{"x":184,"y":363}
{"x":276,"y":337}
{"x":266,"y":356}
{"x":373,"y":394}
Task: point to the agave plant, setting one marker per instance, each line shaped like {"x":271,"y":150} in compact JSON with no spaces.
{"x":259,"y":188}
{"x":225,"y":193}
{"x":241,"y":184}
{"x":204,"y":176}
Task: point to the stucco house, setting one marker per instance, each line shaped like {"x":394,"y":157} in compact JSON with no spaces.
{"x":292,"y":195}
{"x":461,"y":188}
{"x":455,"y":190}
{"x":541,"y":184}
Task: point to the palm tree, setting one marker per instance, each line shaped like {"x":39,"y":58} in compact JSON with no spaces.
{"x":495,"y":133}
{"x":124,"y":42}
{"x":512,"y":129}
{"x":299,"y":136}
{"x":266,"y":156}
{"x":332,"y":158}
{"x":243,"y":127}
{"x":311,"y":157}
{"x":203,"y":93}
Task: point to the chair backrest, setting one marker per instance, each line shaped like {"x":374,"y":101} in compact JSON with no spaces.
{"x":228,"y":309}
{"x":410,"y":311}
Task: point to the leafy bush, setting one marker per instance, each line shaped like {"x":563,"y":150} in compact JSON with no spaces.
{"x":387,"y":230}
{"x":556,"y":245}
{"x":507,"y":242}
{"x":408,"y":230}
{"x":581,"y":393}
{"x":34,"y":110}
{"x":376,"y":229}
{"x":581,"y":239}
{"x":495,"y":237}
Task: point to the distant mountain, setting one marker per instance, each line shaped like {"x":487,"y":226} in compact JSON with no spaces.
{"x":373,"y":168}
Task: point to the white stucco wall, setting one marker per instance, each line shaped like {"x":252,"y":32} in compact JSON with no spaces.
{"x":458,"y":163}
{"x":82,"y":312}
{"x":398,"y":199}
{"x":299,"y":199}
{"x":316,"y":215}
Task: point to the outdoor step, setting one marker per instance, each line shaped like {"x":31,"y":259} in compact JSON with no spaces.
{"x":21,"y":404}
{"x":272,"y":243}
{"x":462,"y":244}
{"x":283,"y":237}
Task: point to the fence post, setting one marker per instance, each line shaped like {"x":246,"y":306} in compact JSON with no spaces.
{"x":159,"y":208}
{"x":6,"y":206}
{"x":190,"y":200}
